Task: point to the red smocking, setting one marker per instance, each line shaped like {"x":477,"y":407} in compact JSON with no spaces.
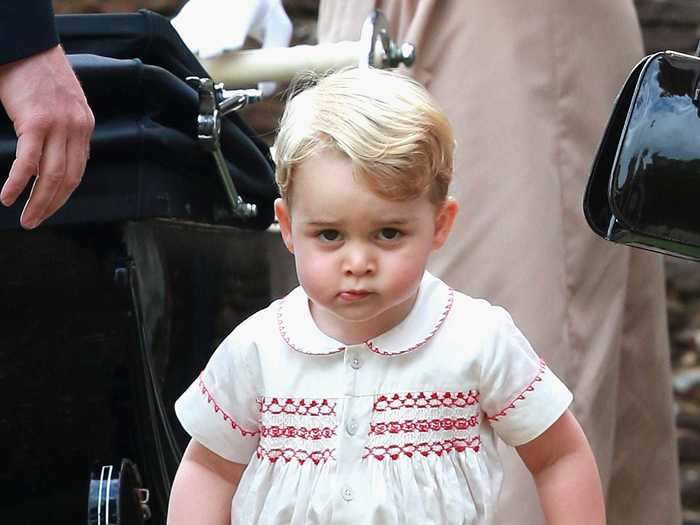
{"x":425,"y":449}
{"x":289,"y":454}
{"x":300,"y":407}
{"x":426,"y":400}
{"x":423,"y":425}
{"x":312,"y":433}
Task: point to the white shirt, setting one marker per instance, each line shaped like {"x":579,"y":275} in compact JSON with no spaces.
{"x":401,"y":429}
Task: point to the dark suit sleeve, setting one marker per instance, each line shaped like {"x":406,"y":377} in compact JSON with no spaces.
{"x":26,"y":28}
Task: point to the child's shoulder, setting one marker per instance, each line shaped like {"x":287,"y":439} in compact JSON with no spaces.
{"x":478,"y":323}
{"x":478,"y":312}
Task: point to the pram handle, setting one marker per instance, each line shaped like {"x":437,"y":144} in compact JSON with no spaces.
{"x":246,"y":68}
{"x":375,"y":48}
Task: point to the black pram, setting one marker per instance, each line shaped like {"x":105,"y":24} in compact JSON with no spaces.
{"x":112,"y":306}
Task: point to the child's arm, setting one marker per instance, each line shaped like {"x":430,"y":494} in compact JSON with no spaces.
{"x":203,"y":488}
{"x":566,"y":475}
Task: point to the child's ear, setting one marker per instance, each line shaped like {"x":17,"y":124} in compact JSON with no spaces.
{"x":285,"y":220}
{"x":444,"y":221}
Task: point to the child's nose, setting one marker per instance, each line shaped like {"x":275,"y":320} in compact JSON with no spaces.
{"x":358,"y":262}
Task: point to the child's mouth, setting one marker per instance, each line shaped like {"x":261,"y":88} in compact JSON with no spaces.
{"x":353,"y":295}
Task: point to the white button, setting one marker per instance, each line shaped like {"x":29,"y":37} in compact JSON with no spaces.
{"x":356,"y":363}
{"x":347,"y":494}
{"x":351,"y":427}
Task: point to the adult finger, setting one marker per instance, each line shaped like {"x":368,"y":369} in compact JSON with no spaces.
{"x":52,"y":171}
{"x":24,"y":167}
{"x":77,"y":153}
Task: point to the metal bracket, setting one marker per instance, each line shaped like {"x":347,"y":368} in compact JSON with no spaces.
{"x":382,"y":52}
{"x":214,"y":103}
{"x":144,"y":496}
{"x":696,"y":94}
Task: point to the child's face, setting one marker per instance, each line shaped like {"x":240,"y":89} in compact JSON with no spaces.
{"x":359,"y":257}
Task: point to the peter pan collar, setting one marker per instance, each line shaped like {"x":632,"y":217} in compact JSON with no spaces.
{"x":299,"y":331}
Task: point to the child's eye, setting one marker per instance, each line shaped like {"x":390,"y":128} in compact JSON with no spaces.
{"x":329,"y":235}
{"x":389,"y":234}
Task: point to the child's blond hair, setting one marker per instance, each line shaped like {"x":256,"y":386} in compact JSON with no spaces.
{"x":399,"y":142}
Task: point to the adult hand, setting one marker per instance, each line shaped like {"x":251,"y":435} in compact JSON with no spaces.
{"x":53,"y":122}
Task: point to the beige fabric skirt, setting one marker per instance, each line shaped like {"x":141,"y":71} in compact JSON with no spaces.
{"x":528,"y":87}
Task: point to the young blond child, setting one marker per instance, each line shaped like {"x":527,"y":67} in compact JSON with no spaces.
{"x":373,"y":393}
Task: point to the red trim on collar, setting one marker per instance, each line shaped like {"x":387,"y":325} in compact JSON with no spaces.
{"x":446,"y":311}
{"x":370,"y":344}
{"x":285,"y":337}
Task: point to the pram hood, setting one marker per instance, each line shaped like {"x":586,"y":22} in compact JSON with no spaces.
{"x":145,"y":157}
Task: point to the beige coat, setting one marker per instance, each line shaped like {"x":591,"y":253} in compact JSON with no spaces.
{"x":528,"y":87}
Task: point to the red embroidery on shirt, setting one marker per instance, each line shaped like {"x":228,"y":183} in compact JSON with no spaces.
{"x":285,"y":336}
{"x":425,"y":449}
{"x":446,"y":311}
{"x":289,"y":454}
{"x":423,"y":425}
{"x":426,"y":400}
{"x":370,"y":344}
{"x":219,"y":410}
{"x":313,"y":433}
{"x":300,"y":407}
{"x":521,"y":395}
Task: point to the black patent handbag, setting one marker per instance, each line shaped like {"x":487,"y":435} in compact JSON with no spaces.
{"x":644,"y":187}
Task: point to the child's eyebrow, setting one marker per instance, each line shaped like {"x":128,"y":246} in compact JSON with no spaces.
{"x":394,"y":221}
{"x":319,"y":223}
{"x":398,"y":221}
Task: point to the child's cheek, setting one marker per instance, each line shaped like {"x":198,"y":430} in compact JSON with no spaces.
{"x":405,"y":274}
{"x":315,"y":271}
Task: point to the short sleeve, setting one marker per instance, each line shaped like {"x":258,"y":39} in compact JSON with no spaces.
{"x":219,"y":409}
{"x":520,"y":395}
